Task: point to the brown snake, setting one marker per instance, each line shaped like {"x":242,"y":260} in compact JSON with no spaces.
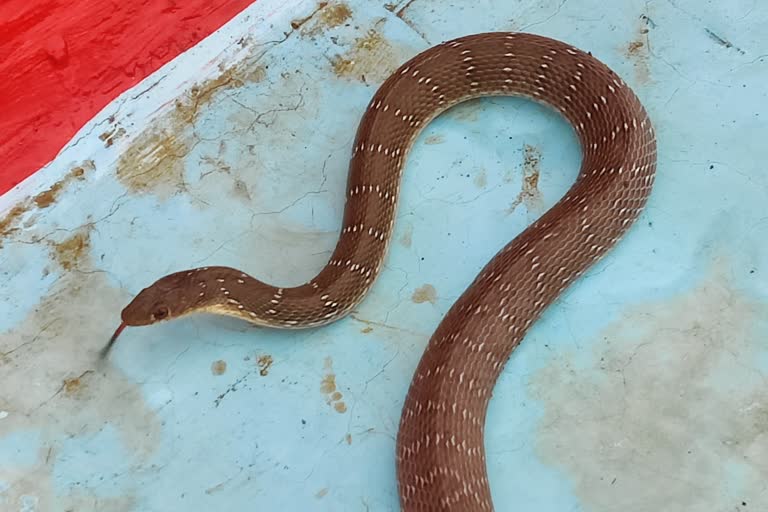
{"x":440,"y":455}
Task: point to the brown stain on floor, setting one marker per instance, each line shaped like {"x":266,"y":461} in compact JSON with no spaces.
{"x":530,"y":195}
{"x":75,"y":386}
{"x":55,"y":384}
{"x":425,"y":293}
{"x":326,"y":17}
{"x":110,"y":136}
{"x":48,"y":197}
{"x":666,"y":407}
{"x":219,"y":367}
{"x":264,"y":362}
{"x":70,"y":252}
{"x":328,"y":387}
{"x":154,"y":160}
{"x":371,"y":59}
{"x":637,"y":52}
{"x":13,"y":221}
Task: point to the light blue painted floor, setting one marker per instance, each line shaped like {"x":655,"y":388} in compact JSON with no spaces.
{"x":643,"y":388}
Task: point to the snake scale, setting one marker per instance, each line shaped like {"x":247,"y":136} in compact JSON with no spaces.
{"x":440,"y":458}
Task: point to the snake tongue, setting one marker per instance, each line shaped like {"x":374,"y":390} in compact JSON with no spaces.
{"x":112,"y":340}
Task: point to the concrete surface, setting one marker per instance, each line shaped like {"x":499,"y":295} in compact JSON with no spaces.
{"x":642,"y":389}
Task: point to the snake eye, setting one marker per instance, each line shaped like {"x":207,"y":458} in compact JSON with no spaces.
{"x":160,"y":313}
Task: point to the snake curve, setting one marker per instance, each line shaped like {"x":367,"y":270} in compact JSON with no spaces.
{"x":440,"y":457}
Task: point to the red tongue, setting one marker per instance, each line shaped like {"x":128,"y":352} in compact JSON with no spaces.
{"x":112,"y":340}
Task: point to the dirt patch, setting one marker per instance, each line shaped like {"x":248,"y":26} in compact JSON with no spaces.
{"x":56,"y":385}
{"x":48,"y":197}
{"x":110,"y":136}
{"x":666,"y":407}
{"x":335,"y":15}
{"x":240,"y":190}
{"x":328,"y":384}
{"x":264,"y":362}
{"x":9,"y":224}
{"x":426,"y":293}
{"x":328,"y":388}
{"x":638,"y":53}
{"x":70,"y":252}
{"x":219,"y":367}
{"x":371,"y":59}
{"x":530,"y":195}
{"x":327,"y":16}
{"x":154,"y":161}
{"x":12,"y":221}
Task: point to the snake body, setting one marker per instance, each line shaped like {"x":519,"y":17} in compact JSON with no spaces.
{"x":440,"y":456}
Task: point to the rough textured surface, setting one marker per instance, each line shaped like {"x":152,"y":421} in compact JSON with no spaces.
{"x":440,"y":452}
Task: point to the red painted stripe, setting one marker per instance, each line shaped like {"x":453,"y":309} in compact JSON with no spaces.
{"x":62,"y":61}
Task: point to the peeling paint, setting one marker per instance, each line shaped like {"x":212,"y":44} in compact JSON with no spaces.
{"x":12,"y":220}
{"x":371,"y":59}
{"x":155,"y":160}
{"x":329,"y":16}
{"x":110,"y":136}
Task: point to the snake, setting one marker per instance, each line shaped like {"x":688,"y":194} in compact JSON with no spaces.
{"x":439,"y":454}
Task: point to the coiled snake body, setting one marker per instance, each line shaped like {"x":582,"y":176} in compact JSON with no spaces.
{"x":440,"y":455}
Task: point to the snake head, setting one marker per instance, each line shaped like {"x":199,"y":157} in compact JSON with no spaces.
{"x":167,"y":298}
